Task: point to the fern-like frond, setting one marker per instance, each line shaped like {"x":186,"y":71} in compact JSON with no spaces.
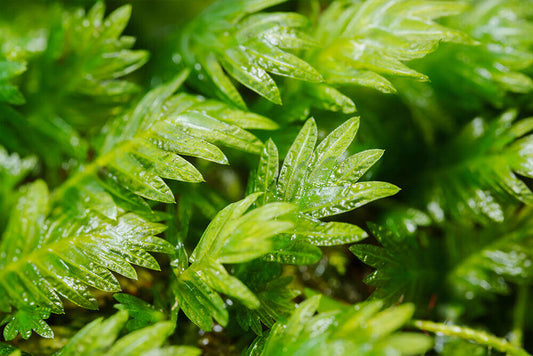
{"x":90,"y":56}
{"x":7,"y":349}
{"x":74,"y":85}
{"x":363,"y":43}
{"x":146,"y":145}
{"x":26,"y":320}
{"x":498,"y":65}
{"x":77,"y":60}
{"x":321,"y":183}
{"x":491,"y":259}
{"x":44,"y":258}
{"x":405,"y":270}
{"x":361,"y":329}
{"x":475,"y":262}
{"x":233,"y":236}
{"x":28,"y":136}
{"x":246,"y":46}
{"x":480,"y":168}
{"x":101,"y":337}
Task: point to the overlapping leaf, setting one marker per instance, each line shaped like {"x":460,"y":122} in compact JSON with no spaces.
{"x":476,"y":262}
{"x":362,"y":329}
{"x":321,"y":185}
{"x":233,"y":236}
{"x":45,"y":258}
{"x":247,"y":47}
{"x":7,"y":349}
{"x":26,"y":320}
{"x":141,"y":313}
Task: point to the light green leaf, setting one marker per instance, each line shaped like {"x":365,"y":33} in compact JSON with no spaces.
{"x":143,"y":314}
{"x":140,"y":341}
{"x":334,"y":200}
{"x":266,"y":175}
{"x":221,"y":80}
{"x":342,"y":330}
{"x":282,"y":63}
{"x":139,"y":180}
{"x":288,"y":38}
{"x":241,"y":66}
{"x":219,"y":279}
{"x":171,"y":138}
{"x":199,"y":302}
{"x":166,"y":164}
{"x":295,"y":165}
{"x":210,"y":129}
{"x":250,"y":236}
{"x":23,"y":230}
{"x":328,"y":98}
{"x":217,"y":226}
{"x":327,"y":153}
{"x":96,"y":336}
{"x":354,"y":167}
{"x":327,"y":234}
{"x":296,"y":253}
